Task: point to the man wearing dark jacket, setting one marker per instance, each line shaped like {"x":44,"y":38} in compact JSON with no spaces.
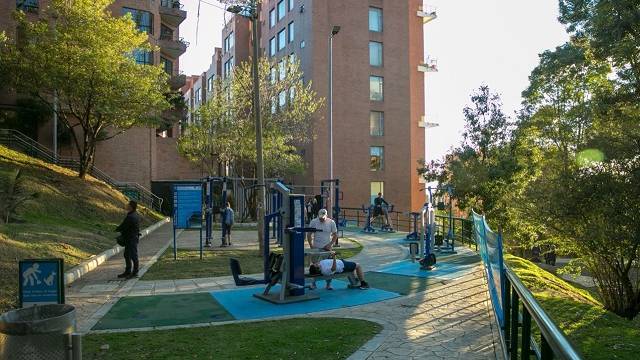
{"x":130,"y":232}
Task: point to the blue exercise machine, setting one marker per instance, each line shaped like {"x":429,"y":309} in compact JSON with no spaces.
{"x":445,"y":244}
{"x":286,"y":269}
{"x":213,"y":203}
{"x":187,"y":211}
{"x":370,"y":212}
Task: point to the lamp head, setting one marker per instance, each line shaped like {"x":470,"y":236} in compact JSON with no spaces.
{"x":335,"y":30}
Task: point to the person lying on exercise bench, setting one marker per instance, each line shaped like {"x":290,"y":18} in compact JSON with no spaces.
{"x":328,"y":267}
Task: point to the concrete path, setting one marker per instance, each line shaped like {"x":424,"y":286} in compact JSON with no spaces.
{"x":95,"y":293}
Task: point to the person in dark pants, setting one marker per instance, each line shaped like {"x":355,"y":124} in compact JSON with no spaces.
{"x":130,"y":232}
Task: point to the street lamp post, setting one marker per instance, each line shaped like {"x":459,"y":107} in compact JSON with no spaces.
{"x":252,"y":13}
{"x":334,"y":31}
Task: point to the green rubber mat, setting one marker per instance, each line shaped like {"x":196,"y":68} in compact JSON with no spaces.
{"x":163,"y":310}
{"x":401,"y":284}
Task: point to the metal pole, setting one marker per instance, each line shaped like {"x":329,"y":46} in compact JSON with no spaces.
{"x":258,"y":120}
{"x":331,"y":118}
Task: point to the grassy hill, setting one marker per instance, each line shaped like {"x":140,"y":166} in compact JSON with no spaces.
{"x":597,"y":333}
{"x":72,"y":219}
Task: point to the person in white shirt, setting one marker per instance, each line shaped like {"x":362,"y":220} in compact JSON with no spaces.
{"x":324,"y":239}
{"x":328,"y":267}
{"x":328,"y":234}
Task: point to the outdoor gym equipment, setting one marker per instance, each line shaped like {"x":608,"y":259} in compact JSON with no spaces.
{"x":444,"y":244}
{"x":428,"y":222}
{"x":414,"y":235}
{"x":187,"y":211}
{"x":385,"y":227}
{"x":211,"y":206}
{"x":286,"y":269}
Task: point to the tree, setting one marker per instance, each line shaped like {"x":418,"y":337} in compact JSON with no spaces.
{"x":13,"y":194}
{"x":81,"y":55}
{"x":224,"y":129}
{"x":482,"y":161}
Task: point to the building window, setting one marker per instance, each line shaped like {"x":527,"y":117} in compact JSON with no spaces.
{"x":274,"y":75}
{"x":302,"y":44}
{"x":292,"y":58}
{"x":376,"y":123}
{"x":376,"y":187}
{"x":166,"y":33}
{"x":210,"y":83}
{"x":272,"y":18}
{"x":376,"y":86}
{"x":143,"y":19}
{"x":143,"y":57}
{"x":282,"y":39}
{"x":228,"y":67}
{"x":282,"y":99}
{"x":167,"y":65}
{"x":229,"y":42}
{"x":291,"y":32}
{"x":27,"y":5}
{"x":291,"y":4}
{"x":375,"y":53}
{"x":272,"y":47}
{"x":377,"y":158}
{"x":197,"y":96}
{"x":282,"y":70}
{"x":282,"y":11}
{"x":375,"y":19}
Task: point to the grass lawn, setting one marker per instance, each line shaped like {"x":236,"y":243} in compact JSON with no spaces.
{"x":597,"y":333}
{"x":216,"y":263}
{"x":306,"y":338}
{"x":71,"y":219}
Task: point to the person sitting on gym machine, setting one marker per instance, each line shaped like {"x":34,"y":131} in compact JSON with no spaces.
{"x":328,"y":267}
{"x":380,"y":206}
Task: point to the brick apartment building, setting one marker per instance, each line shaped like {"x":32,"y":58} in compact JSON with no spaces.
{"x":378,"y":89}
{"x":139,"y":155}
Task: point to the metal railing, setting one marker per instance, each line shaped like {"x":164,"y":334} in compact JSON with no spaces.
{"x":18,"y":141}
{"x":514,"y":306}
{"x":356,"y":216}
{"x":516,"y":334}
{"x":461,"y":229}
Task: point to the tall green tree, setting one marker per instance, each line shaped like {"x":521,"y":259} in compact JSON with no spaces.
{"x":225,"y":127}
{"x":81,"y":55}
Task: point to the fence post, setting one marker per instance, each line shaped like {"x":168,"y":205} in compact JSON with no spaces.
{"x":358,"y":218}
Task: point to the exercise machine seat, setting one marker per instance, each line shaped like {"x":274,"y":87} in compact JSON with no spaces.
{"x":236,"y":271}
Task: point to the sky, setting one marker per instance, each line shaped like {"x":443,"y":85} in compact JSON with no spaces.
{"x":492,"y":42}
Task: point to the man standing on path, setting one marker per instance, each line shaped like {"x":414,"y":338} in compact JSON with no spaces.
{"x":130,"y":232}
{"x":324,"y":239}
{"x":227,"y":222}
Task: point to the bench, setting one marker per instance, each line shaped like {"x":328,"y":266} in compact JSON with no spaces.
{"x":323,"y":254}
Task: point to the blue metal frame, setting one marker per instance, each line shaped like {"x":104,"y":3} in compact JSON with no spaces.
{"x":181,"y":221}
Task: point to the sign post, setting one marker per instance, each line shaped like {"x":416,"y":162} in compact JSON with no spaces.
{"x":41,"y":282}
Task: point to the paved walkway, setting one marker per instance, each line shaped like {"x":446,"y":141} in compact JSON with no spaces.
{"x":95,"y":293}
{"x":449,"y":321}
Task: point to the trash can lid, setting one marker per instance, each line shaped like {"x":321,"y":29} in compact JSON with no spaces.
{"x":39,"y":319}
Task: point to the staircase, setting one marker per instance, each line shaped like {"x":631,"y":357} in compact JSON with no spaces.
{"x":18,"y":141}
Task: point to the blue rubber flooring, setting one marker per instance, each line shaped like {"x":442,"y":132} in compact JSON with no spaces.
{"x":444,"y":270}
{"x":242,"y":305}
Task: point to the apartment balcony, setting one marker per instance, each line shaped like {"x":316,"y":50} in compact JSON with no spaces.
{"x":430,"y":65}
{"x":177,"y":81}
{"x":427,"y":14}
{"x":171,"y":12}
{"x":171,"y":47}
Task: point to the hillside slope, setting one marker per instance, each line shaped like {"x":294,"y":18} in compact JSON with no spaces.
{"x":72,"y":219}
{"x":598,"y":333}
